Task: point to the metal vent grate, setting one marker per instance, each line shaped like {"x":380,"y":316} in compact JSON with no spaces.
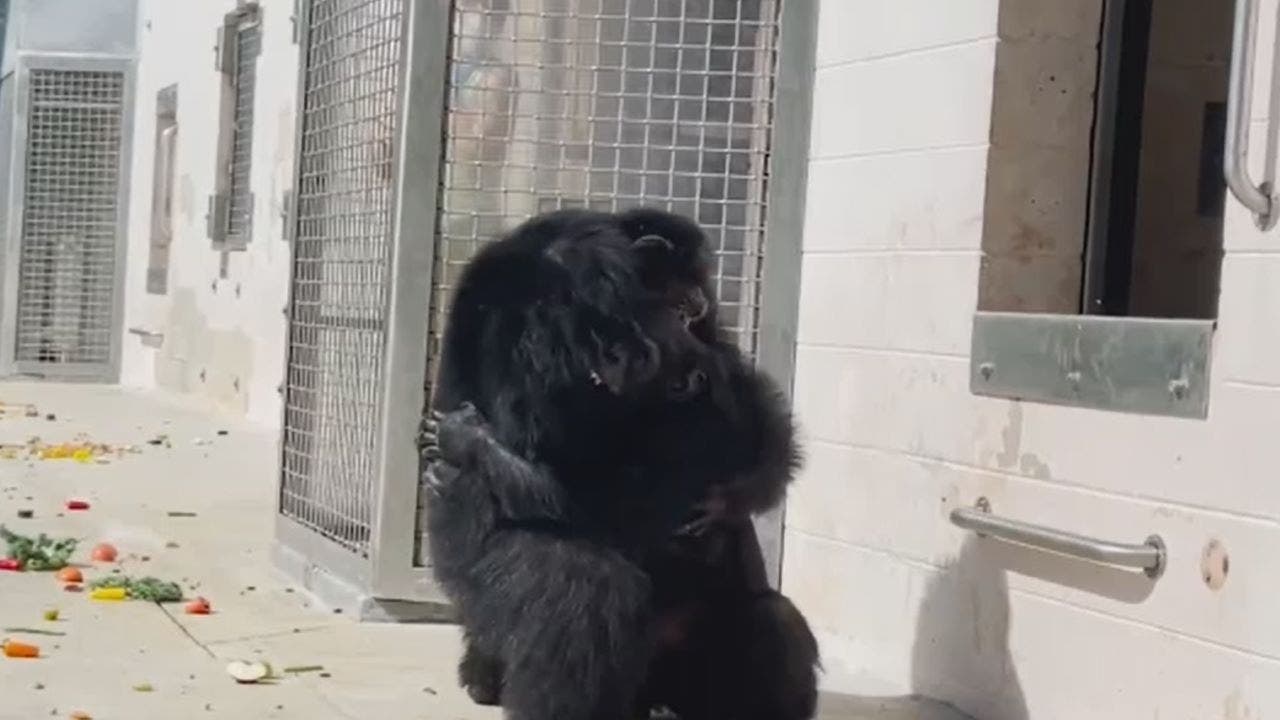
{"x":341,"y":266}
{"x":239,"y":199}
{"x":609,"y":104}
{"x":70,"y":222}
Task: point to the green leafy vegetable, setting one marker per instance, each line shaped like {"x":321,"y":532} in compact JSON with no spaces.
{"x":149,"y":589}
{"x":40,"y":553}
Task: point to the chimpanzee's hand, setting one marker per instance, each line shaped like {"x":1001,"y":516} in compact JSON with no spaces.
{"x":452,"y":437}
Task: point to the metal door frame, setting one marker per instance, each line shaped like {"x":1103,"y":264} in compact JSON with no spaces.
{"x":390,"y":572}
{"x":24,"y":64}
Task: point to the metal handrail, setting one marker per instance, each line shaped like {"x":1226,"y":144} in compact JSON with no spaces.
{"x":1260,"y":199}
{"x":1150,"y":556}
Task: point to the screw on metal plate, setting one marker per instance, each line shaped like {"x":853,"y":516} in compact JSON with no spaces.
{"x":986,"y":370}
{"x":1074,"y":378}
{"x":1178,"y":388}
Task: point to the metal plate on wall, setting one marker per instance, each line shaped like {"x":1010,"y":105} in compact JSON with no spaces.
{"x":1136,"y":365}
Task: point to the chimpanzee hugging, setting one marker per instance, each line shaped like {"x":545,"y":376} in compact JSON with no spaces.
{"x":596,"y":449}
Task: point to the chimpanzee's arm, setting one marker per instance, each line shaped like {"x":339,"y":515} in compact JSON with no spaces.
{"x":765,"y":432}
{"x":461,"y":438}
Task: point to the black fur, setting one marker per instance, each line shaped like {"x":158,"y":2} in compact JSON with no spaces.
{"x":728,"y":646}
{"x":549,"y":337}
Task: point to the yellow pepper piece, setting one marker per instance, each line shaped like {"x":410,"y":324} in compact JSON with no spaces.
{"x":108,"y":593}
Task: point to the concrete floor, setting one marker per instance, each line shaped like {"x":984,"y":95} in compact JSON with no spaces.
{"x":137,"y":660}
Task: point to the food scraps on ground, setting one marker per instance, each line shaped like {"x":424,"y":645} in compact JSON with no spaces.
{"x":40,"y":553}
{"x":199,"y":606}
{"x":77,"y":504}
{"x":13,"y":564}
{"x":104,"y":552}
{"x":51,"y":615}
{"x":245,"y":672}
{"x":34,"y":631}
{"x":109,"y":593}
{"x":81,"y":449}
{"x":15,"y":649}
{"x":143,"y":687}
{"x":148,"y":589}
{"x":70,"y":574}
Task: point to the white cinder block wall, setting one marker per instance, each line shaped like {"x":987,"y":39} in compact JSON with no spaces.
{"x":224,"y":337}
{"x":902,"y":601}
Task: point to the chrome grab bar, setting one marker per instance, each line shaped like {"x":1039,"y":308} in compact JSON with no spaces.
{"x":1260,"y":199}
{"x":1150,"y":556}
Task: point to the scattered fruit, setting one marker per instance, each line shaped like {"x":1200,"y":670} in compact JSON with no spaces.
{"x":70,"y":575}
{"x":248,"y":672}
{"x":104,"y":552}
{"x":13,"y":564}
{"x":199,"y":606}
{"x":109,"y":593}
{"x":15,"y":649}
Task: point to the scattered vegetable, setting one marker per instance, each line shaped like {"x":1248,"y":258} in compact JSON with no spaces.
{"x":15,"y":649}
{"x":70,"y":575}
{"x":199,"y":606}
{"x":13,"y":564}
{"x":109,"y":593}
{"x":248,"y":672}
{"x":148,"y":589}
{"x":78,"y":504}
{"x":104,"y":552}
{"x":34,"y":631}
{"x":51,"y":615}
{"x":39,"y":553}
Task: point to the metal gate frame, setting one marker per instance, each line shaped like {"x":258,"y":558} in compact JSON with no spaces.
{"x":24,"y":64}
{"x":389,"y":572}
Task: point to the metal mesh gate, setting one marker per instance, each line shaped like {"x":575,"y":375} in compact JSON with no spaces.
{"x":342,"y":257}
{"x":66,"y":312}
{"x":609,"y":104}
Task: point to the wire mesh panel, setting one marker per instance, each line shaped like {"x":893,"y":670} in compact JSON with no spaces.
{"x":248,"y":43}
{"x":342,"y":257}
{"x":609,"y":104}
{"x":70,"y":223}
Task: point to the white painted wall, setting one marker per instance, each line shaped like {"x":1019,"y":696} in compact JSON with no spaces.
{"x":224,"y":338}
{"x":904,"y":602}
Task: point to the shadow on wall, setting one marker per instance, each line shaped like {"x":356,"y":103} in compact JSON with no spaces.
{"x":961,"y":651}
